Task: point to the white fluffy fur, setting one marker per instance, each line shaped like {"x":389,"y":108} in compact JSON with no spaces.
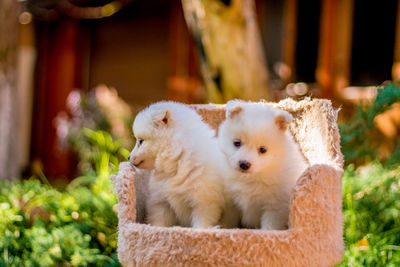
{"x":263,"y":191}
{"x":186,"y":186}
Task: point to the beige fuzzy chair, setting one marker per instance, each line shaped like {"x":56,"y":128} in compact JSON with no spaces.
{"x":314,"y":237}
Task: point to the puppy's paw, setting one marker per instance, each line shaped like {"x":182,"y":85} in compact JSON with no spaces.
{"x":274,"y":220}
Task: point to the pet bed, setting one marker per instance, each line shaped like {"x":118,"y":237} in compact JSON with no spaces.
{"x":314,"y":237}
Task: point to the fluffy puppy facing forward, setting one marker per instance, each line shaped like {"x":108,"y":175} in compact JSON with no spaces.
{"x":186,"y":186}
{"x":267,"y":162}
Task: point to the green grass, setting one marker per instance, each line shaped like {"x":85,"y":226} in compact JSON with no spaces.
{"x":371,"y":212}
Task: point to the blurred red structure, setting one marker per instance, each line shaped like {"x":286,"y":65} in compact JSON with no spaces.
{"x":58,"y":74}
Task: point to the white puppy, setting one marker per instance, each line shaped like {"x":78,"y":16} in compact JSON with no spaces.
{"x":267,"y":162}
{"x":186,"y":186}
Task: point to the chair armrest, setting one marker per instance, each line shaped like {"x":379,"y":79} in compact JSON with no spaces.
{"x":124,"y":183}
{"x":316,"y":208}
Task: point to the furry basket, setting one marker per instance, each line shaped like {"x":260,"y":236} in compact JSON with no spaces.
{"x":314,"y":237}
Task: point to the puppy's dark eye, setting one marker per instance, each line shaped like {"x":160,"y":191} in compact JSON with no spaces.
{"x":140,"y":141}
{"x":237,"y":143}
{"x":262,"y":150}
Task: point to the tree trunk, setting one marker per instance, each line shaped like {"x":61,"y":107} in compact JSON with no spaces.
{"x":231,"y":54}
{"x":9,"y":10}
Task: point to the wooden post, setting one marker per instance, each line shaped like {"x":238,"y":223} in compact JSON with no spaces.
{"x":333,"y":67}
{"x":56,"y":79}
{"x":26,"y":68}
{"x":290,"y":15}
{"x":9,"y":30}
{"x":396,"y":59}
{"x":230,"y":51}
{"x":343,"y":45}
{"x":324,"y":72}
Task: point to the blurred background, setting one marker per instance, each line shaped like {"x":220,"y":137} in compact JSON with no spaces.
{"x":73,"y":74}
{"x":332,"y":49}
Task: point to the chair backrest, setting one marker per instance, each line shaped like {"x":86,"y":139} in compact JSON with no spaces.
{"x":314,"y":128}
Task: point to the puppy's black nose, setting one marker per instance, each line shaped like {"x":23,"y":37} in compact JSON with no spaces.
{"x":244,"y":165}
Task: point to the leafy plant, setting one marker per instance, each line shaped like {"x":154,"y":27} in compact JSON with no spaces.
{"x":360,"y":138}
{"x":94,"y":120}
{"x":43,"y":226}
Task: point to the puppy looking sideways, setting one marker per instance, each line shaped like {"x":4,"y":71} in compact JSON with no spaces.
{"x":267,"y":162}
{"x":186,"y":186}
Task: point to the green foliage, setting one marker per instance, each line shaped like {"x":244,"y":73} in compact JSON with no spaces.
{"x":43,"y":226}
{"x":89,"y":128}
{"x":98,"y":154}
{"x":371,"y":213}
{"x":359,"y":137}
{"x":371,"y":208}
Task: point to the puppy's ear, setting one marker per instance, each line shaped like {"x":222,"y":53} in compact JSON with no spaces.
{"x":233,"y":108}
{"x":233,"y":112}
{"x":282,"y":120}
{"x":162,"y":118}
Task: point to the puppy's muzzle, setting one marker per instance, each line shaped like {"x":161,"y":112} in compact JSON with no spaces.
{"x":244,"y":165}
{"x":134,"y":161}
